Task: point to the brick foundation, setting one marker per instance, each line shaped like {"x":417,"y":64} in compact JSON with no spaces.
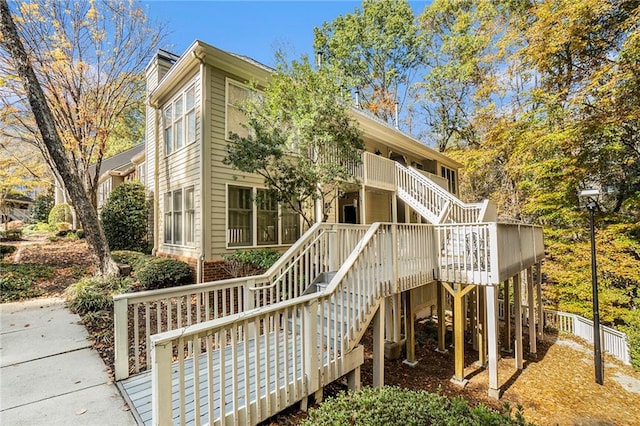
{"x":212,"y":270}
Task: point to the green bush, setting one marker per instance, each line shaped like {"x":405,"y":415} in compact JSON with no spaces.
{"x":135,"y":259}
{"x":11,"y":235}
{"x":249,"y":262}
{"x":42,"y":207}
{"x":60,"y":213}
{"x":162,"y":273}
{"x":124,"y":217}
{"x":95,"y":294}
{"x":394,"y":406}
{"x":6,"y":250}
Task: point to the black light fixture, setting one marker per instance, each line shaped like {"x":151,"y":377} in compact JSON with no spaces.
{"x":590,"y":197}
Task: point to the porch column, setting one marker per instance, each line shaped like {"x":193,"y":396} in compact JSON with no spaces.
{"x":378,"y":346}
{"x":362,"y":205}
{"x":442,"y":326}
{"x":394,"y":207}
{"x":492,"y":337}
{"x":409,"y":320}
{"x":531,"y":316}
{"x":458,"y":291}
{"x":539,"y":297}
{"x":517,"y":307}
{"x":507,"y":318}
{"x":482,"y":332}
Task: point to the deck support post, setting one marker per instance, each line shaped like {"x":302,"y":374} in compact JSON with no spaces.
{"x":378,"y":345}
{"x":409,"y":320}
{"x":539,"y":297}
{"x":458,"y":291}
{"x":362,"y":204}
{"x":353,"y":379}
{"x":482,"y":320}
{"x":492,"y":338}
{"x":442,"y":323}
{"x":531,"y":308}
{"x":473,"y":318}
{"x":517,"y":304}
{"x":161,"y":388}
{"x":507,"y":317}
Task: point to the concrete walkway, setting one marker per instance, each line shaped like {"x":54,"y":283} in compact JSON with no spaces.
{"x":49,"y":374}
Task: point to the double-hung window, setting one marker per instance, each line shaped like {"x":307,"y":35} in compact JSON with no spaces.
{"x":179,"y":118}
{"x":237,"y":94}
{"x":267,"y":218}
{"x":179,"y":217}
{"x":240,"y":214}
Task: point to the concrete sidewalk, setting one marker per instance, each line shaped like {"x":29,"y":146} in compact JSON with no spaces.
{"x":49,"y":374}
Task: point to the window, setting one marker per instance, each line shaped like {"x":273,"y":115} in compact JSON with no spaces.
{"x":189,"y":219}
{"x":267,"y":218}
{"x":450,"y":176}
{"x":141,"y":173}
{"x":290,"y":226}
{"x":180,"y":121}
{"x":240,"y":216}
{"x":179,"y":217}
{"x":236,"y":118}
{"x":104,"y":189}
{"x":254,"y":212}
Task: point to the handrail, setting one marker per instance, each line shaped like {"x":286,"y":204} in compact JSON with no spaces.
{"x":309,"y":247}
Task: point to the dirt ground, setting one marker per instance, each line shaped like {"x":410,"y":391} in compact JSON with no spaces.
{"x":555,"y":387}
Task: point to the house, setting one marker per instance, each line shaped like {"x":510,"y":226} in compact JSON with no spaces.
{"x":237,"y":351}
{"x":127,"y":165}
{"x":15,"y":206}
{"x":204,"y":207}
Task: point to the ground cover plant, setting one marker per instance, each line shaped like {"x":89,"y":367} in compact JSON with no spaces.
{"x":394,"y":406}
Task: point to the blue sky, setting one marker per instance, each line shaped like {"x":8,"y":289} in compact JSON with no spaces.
{"x":252,"y":28}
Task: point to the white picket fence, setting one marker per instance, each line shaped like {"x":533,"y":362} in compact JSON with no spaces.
{"x":614,"y":342}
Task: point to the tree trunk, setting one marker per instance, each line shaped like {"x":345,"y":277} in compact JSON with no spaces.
{"x":105,"y":266}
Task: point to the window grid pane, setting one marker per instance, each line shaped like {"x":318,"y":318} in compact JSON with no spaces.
{"x":267,"y":218}
{"x":189,"y":216}
{"x":240,"y":216}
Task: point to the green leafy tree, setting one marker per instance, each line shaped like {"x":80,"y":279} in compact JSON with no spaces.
{"x":301,"y":139}
{"x":125,"y":217}
{"x":375,"y":50}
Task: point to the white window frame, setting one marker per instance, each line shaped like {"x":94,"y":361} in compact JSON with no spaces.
{"x":178,"y":228}
{"x":177,"y":126}
{"x":451,"y":175}
{"x":228,"y":104}
{"x":254,"y":221}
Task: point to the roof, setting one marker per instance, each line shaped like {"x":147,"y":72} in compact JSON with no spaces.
{"x":118,"y":162}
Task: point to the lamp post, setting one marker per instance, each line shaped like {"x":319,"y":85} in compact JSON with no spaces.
{"x":590,"y":196}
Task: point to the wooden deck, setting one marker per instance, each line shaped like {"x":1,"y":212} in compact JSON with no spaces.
{"x":137,"y":389}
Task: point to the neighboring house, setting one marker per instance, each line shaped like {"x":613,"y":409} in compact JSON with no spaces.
{"x":16,"y":207}
{"x":127,"y":165}
{"x":205,"y":208}
{"x":397,"y":242}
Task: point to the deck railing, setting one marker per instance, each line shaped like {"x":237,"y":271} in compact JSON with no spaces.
{"x":322,"y":249}
{"x":319,"y":330}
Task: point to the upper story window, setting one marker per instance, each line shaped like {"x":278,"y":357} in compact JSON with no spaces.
{"x":237,"y":93}
{"x":179,"y":121}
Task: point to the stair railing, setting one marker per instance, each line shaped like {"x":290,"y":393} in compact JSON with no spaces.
{"x":156,"y":311}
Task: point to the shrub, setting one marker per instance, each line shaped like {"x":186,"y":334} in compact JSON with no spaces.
{"x":162,"y":273}
{"x":42,"y":207}
{"x":124,"y":217}
{"x":394,"y":406}
{"x":249,"y":262}
{"x":6,"y":250}
{"x":60,"y":213}
{"x":95,"y":294}
{"x":11,"y":235}
{"x":135,"y":259}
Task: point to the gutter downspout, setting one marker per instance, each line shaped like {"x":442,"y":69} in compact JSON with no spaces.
{"x":156,"y":185}
{"x":204,"y":164}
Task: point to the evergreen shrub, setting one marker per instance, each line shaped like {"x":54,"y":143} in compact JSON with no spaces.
{"x":124,"y":217}
{"x":160,"y":272}
{"x":60,"y":213}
